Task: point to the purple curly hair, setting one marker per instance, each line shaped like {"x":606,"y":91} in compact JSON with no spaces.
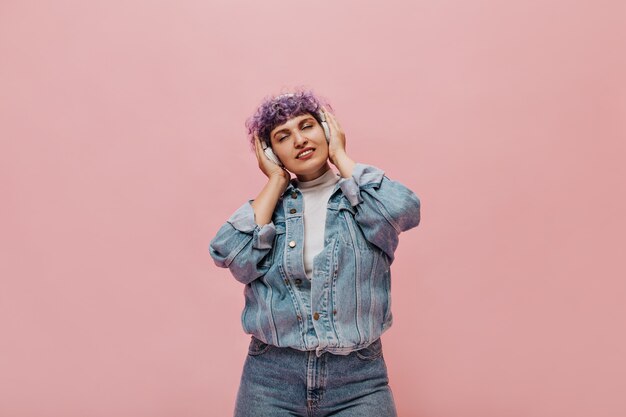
{"x":276,"y":110}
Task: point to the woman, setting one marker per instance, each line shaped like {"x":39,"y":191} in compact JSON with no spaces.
{"x":314,"y":254}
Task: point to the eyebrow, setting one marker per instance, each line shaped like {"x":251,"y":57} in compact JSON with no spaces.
{"x":299,"y":123}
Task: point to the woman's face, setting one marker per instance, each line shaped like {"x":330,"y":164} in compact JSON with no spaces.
{"x":301,"y":146}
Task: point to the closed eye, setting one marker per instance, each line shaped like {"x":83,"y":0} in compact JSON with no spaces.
{"x":307,"y":126}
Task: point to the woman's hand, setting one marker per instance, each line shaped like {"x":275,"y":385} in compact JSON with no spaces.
{"x":278,"y":180}
{"x":337,"y":146}
{"x":269,"y":168}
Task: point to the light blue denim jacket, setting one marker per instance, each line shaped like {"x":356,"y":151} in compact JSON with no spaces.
{"x":347,"y":304}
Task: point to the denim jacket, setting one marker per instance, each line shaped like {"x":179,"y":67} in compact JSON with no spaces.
{"x":347,"y":304}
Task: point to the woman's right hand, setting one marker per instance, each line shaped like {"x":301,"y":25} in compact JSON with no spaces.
{"x":269,"y":168}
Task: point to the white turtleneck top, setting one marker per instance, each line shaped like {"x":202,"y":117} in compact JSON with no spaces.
{"x":316,"y":194}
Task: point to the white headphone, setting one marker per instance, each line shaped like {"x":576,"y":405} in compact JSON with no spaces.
{"x":267,"y":150}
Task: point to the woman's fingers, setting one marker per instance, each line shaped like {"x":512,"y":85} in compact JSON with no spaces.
{"x":331,"y":119}
{"x":333,"y":124}
{"x":257,"y":146}
{"x":265,"y":165}
{"x":259,"y":154}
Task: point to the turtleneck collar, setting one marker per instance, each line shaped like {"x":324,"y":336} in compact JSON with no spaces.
{"x":329,"y":177}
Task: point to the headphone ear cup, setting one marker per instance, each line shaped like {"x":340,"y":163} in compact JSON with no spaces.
{"x":322,"y":119}
{"x":272,"y":156}
{"x":326,"y":131}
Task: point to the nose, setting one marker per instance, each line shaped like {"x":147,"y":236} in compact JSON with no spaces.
{"x":300,"y":140}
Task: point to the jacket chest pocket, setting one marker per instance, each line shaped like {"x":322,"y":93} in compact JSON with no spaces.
{"x":350,"y":232}
{"x":268,"y":260}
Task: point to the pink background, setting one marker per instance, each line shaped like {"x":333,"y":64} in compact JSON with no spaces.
{"x":123,"y":150}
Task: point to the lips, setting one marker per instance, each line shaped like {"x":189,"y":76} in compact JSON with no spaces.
{"x":306,"y":153}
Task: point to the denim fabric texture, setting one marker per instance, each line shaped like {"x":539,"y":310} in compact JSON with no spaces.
{"x":279,"y":382}
{"x":346,"y":305}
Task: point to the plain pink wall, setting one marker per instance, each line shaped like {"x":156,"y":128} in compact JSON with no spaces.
{"x":123,"y":150}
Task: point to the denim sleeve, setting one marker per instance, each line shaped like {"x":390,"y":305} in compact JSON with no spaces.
{"x":384,"y":207}
{"x":240,"y":245}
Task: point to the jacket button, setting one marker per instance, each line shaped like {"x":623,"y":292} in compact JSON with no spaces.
{"x":298,"y":281}
{"x":292,"y":244}
{"x":316,"y":316}
{"x":294,"y":195}
{"x":292,"y":211}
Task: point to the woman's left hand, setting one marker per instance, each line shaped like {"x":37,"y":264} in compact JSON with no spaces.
{"x":337,"y":144}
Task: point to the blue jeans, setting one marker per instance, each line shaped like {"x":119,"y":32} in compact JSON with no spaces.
{"x":282,"y":381}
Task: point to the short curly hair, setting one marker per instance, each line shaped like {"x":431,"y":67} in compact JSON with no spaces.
{"x":276,"y":110}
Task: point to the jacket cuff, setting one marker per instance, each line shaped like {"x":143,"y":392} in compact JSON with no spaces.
{"x":362,"y":175}
{"x":243,"y":220}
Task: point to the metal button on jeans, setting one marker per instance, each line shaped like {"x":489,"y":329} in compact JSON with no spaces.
{"x":293,"y":211}
{"x":316,"y":316}
{"x":292,"y":244}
